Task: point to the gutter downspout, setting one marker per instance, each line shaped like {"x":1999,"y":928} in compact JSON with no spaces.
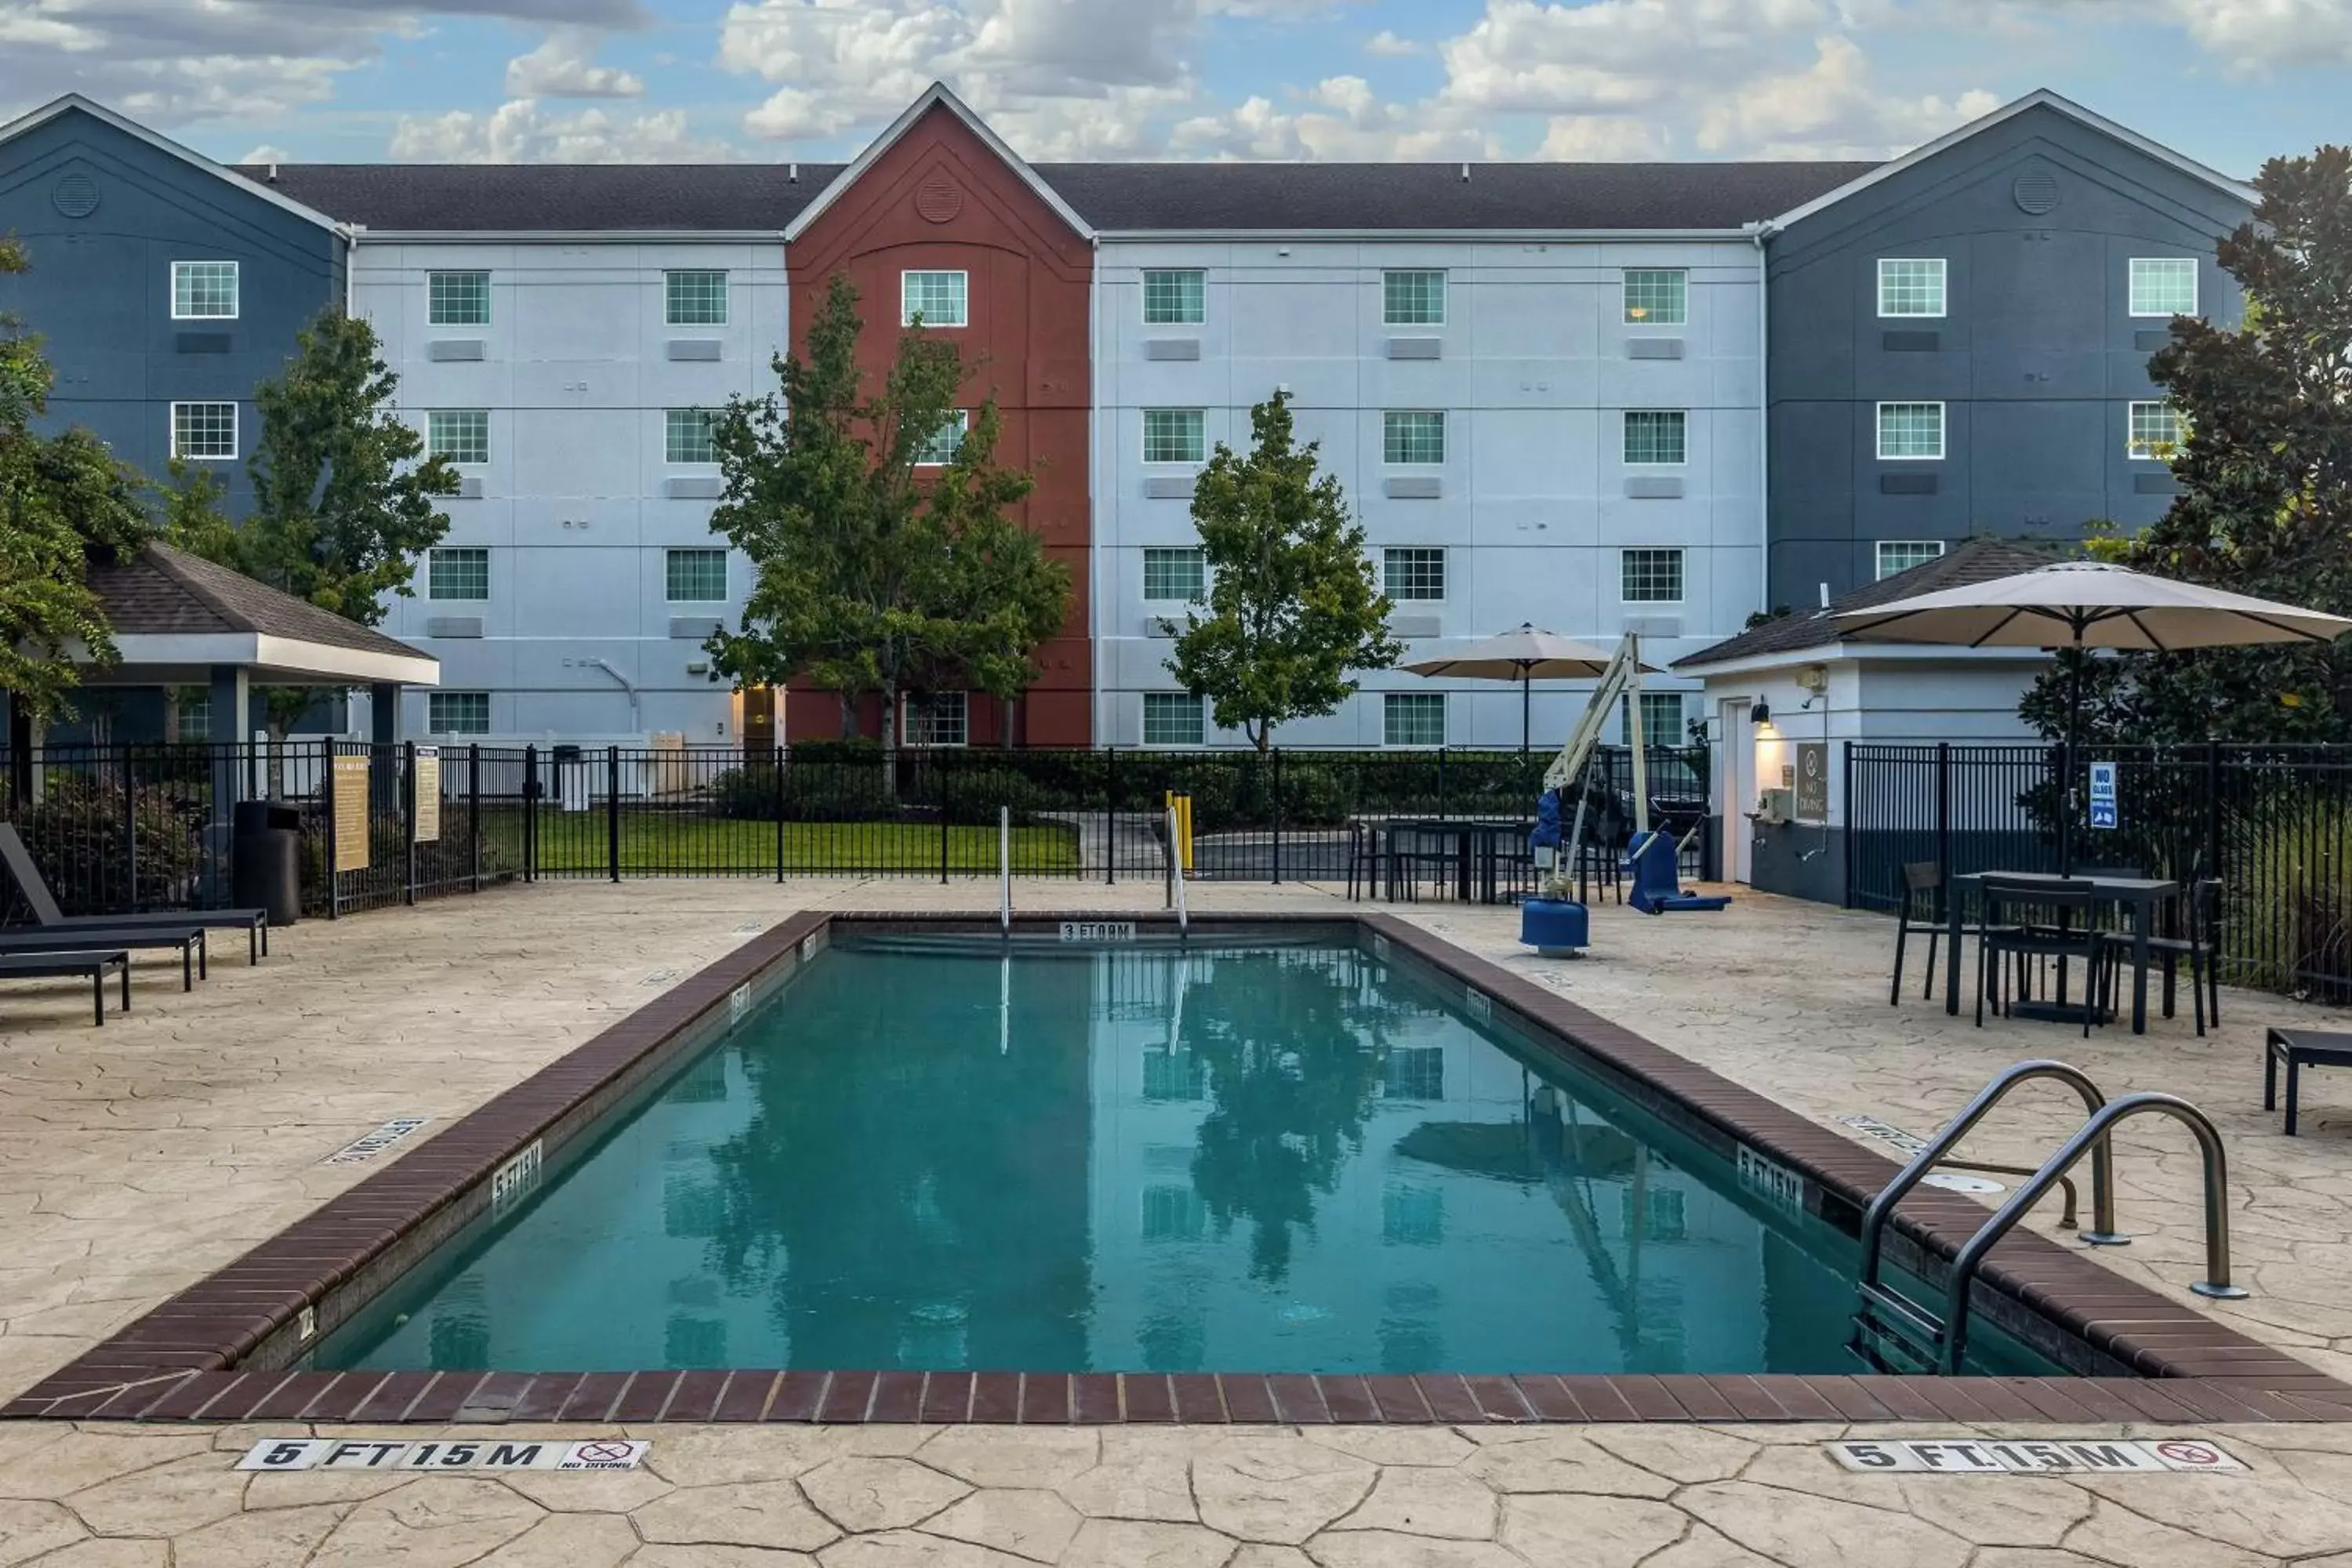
{"x":351,"y":232}
{"x":636,"y":714}
{"x":1096,"y":631}
{"x":1759,"y":233}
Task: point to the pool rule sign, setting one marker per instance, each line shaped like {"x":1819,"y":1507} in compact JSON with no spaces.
{"x":348,"y":784}
{"x":426,"y":785}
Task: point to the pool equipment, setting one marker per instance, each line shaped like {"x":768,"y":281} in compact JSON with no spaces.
{"x":1649,"y":861}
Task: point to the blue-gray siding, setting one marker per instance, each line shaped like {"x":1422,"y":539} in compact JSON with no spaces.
{"x":2036,"y":357}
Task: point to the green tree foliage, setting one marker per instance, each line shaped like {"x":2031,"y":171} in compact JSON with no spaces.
{"x":64,"y":503}
{"x":1294,"y":610}
{"x":874,"y":574}
{"x":2265,"y":477}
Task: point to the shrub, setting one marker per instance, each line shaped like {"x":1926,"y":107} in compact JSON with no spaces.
{"x":77,"y":837}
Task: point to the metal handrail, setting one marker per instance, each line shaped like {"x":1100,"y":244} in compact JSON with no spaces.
{"x":2093,"y":1134}
{"x":1176,"y":878}
{"x":2103,"y":1196}
{"x":1005,"y":870}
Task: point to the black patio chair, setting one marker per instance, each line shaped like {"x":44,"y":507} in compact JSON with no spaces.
{"x":93,"y":966}
{"x":1367,"y":857}
{"x":2198,"y":917}
{"x":98,"y":930}
{"x":2028,"y":923}
{"x":1922,"y":897}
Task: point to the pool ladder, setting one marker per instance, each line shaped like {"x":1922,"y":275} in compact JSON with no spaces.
{"x":1895,"y":1332}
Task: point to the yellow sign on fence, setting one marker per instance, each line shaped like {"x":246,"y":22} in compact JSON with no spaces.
{"x":348,"y":788}
{"x":427,"y":785}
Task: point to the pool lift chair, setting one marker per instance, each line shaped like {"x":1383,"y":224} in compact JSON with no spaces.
{"x":1553,"y":921}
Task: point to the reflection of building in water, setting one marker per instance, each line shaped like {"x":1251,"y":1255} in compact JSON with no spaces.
{"x":1485,"y":1220}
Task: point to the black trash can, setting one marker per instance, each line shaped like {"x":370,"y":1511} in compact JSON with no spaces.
{"x":266,"y":859}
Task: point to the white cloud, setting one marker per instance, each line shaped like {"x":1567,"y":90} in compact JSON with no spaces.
{"x":564,"y":66}
{"x":1603,"y":138}
{"x":2259,"y":35}
{"x":1388,"y":46}
{"x":1830,"y":110}
{"x":268,"y":152}
{"x":521,"y":132}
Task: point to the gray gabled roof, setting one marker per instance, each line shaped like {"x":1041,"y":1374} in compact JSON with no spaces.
{"x":1971,"y":561}
{"x":165,"y":592}
{"x":1293,"y":198}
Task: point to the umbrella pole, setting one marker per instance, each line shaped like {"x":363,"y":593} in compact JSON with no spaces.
{"x":2068,"y":761}
{"x":1527,"y":685}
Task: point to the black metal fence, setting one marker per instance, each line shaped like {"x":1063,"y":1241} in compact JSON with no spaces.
{"x":2271,"y":824}
{"x":117,"y":827}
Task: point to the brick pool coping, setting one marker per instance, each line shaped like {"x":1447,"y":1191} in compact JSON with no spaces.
{"x":181,"y":1362}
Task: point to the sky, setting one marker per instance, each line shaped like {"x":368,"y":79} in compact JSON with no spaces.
{"x":2229,"y":82}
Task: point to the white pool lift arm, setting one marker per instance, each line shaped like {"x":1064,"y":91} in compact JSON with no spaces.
{"x":1621,"y":680}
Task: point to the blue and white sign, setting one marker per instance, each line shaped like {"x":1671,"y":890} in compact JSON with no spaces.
{"x":2103,"y":795}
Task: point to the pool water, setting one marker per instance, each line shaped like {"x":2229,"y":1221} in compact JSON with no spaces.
{"x":944,"y":1154}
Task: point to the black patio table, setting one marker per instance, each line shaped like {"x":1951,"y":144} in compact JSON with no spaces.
{"x":2143,"y":895}
{"x":1477,"y":842}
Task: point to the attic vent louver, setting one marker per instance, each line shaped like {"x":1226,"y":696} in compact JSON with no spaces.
{"x":2035,"y":192}
{"x":76,"y":195}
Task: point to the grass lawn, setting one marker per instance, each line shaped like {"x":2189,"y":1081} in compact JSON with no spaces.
{"x":654,"y":843}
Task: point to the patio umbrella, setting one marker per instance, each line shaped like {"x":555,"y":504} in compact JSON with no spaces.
{"x":1526,"y":656}
{"x":2083,"y":604}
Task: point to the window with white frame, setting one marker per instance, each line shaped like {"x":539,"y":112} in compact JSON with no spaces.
{"x":1657,"y":297}
{"x":458,"y":572}
{"x":458,"y":298}
{"x":2164,"y":286}
{"x":940,"y":449}
{"x":1412,"y":436}
{"x":694,"y":297}
{"x":1175,"y":435}
{"x":936,"y":718}
{"x":458,"y":712}
{"x":1414,"y":572}
{"x":686,"y":436}
{"x":695,"y":575}
{"x":1662,"y":719}
{"x":1650,"y":575}
{"x":2154,"y":430}
{"x":204,"y":432}
{"x":1174,"y":719}
{"x":1910,"y":430}
{"x":1175,"y":297}
{"x":203,"y":290}
{"x":1655,"y":435}
{"x":460,"y":435}
{"x":195,"y":718}
{"x":1175,"y":573}
{"x":1414,"y":296}
{"x":1413,"y":718}
{"x":1910,"y":286}
{"x":939,"y":299}
{"x":1902,"y":554}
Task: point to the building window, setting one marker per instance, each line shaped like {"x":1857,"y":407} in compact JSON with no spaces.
{"x":458,"y":298}
{"x":1173,"y":1213}
{"x":458,"y":712}
{"x":1661,"y":719}
{"x":460,"y":435}
{"x":1902,"y":554}
{"x":1412,"y":436}
{"x":1656,"y":296}
{"x":1655,"y":435}
{"x":1175,"y":435}
{"x":1413,"y":1072}
{"x":1175,"y":298}
{"x":940,"y":449}
{"x":1179,"y":572}
{"x":1413,"y":718}
{"x":458,"y":572}
{"x":686,"y":436}
{"x":936,"y":719}
{"x":2154,"y":431}
{"x":696,"y":576}
{"x":2163,"y":286}
{"x":1910,"y":430}
{"x":1415,"y":299}
{"x":695,"y":299}
{"x":204,"y":431}
{"x":203,"y":290}
{"x":1414,"y":573}
{"x":195,"y":719}
{"x":1650,"y":576}
{"x":939,"y":298}
{"x":1174,"y":719}
{"x":1663,"y":1214}
{"x":1911,"y":286}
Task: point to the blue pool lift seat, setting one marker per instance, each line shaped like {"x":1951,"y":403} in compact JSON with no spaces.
{"x":1657,"y":890}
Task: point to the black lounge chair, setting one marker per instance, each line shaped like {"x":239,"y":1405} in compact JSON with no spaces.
{"x":33,"y":940}
{"x":51,"y":965}
{"x":48,"y":917}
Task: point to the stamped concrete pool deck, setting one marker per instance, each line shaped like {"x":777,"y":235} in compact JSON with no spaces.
{"x":138,"y":1158}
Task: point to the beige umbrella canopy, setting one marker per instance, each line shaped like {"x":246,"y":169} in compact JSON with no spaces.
{"x":1526,"y":655}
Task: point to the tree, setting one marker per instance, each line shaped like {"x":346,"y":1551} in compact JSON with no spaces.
{"x":64,"y":501}
{"x":2265,"y":486}
{"x":343,"y":490}
{"x":870,"y":578}
{"x":1293,"y":609}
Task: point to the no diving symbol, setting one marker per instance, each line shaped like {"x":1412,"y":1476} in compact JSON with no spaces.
{"x":2185,"y":1454}
{"x":603,"y":1453}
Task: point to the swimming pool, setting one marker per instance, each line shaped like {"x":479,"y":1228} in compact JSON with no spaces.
{"x":943,"y":1152}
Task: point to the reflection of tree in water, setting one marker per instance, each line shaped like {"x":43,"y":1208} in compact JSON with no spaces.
{"x":1292,"y":1064}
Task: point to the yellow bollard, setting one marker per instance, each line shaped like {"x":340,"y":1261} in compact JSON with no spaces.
{"x":1181,"y":804}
